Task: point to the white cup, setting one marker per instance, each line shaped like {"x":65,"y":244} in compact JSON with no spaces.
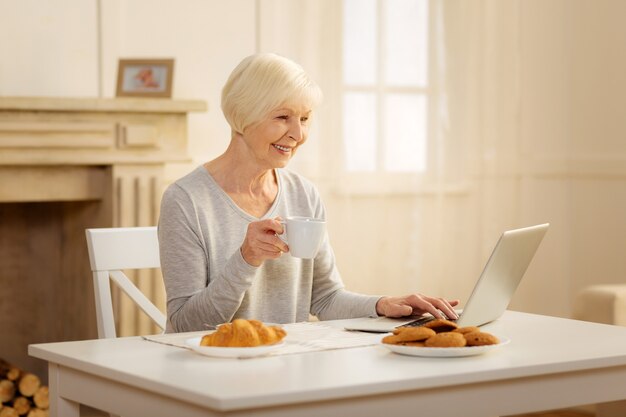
{"x":304,"y":235}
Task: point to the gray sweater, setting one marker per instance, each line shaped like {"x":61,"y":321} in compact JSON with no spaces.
{"x":206,"y":278}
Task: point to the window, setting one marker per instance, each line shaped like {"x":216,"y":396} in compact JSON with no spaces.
{"x":385,"y":88}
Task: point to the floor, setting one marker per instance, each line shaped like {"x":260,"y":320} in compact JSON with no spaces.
{"x":91,"y":412}
{"x":86,"y":411}
{"x":557,"y":413}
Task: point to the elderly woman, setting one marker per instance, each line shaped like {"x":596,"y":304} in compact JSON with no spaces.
{"x":218,"y":232}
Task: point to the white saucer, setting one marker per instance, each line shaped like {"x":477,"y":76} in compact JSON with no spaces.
{"x":231,"y":352}
{"x":450,"y":352}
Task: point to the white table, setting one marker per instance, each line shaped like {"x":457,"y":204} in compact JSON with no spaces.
{"x":550,"y":363}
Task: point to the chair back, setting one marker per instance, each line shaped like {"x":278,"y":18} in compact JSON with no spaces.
{"x":112,"y":250}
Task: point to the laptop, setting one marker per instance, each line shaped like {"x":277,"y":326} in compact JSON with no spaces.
{"x":493,"y":290}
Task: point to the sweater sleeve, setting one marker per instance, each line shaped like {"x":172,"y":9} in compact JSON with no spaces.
{"x":191,"y":303}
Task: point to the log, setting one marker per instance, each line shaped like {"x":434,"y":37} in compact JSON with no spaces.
{"x":37,"y":412}
{"x":7,"y":390}
{"x":41,"y":397}
{"x":14,"y":374}
{"x":21,"y":405}
{"x":8,"y":371}
{"x":8,"y":412}
{"x":28,"y":384}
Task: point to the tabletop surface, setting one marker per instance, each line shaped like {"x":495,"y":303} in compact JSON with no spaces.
{"x":539,"y":345}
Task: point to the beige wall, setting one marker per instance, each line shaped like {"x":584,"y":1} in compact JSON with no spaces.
{"x":540,"y":132}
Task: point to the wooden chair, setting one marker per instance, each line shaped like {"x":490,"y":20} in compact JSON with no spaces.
{"x":112,"y":250}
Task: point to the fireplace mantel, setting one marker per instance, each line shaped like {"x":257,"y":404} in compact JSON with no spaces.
{"x":67,"y":164}
{"x":74,"y":131}
{"x":122,"y":105}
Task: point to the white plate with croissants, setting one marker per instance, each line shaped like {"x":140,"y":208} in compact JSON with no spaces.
{"x":239,"y":339}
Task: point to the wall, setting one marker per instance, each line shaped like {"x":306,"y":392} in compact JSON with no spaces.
{"x":71,"y":48}
{"x":572,"y":140}
{"x":539,"y":133}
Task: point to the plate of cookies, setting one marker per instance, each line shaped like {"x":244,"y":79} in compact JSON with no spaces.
{"x":239,"y":339}
{"x":442,"y":338}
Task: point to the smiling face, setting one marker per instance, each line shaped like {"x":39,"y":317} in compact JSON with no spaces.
{"x":273,"y":141}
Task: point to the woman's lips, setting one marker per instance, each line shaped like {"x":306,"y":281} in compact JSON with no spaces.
{"x":282,"y":148}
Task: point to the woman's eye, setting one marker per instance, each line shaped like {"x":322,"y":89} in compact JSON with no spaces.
{"x":304,"y":119}
{"x":284,"y":117}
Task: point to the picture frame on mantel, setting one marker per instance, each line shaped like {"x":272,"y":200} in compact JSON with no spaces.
{"x":145,"y":78}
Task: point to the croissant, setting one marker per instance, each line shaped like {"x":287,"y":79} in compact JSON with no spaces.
{"x":243,"y":333}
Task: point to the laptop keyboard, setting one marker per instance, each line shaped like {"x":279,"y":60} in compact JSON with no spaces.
{"x":421,"y":321}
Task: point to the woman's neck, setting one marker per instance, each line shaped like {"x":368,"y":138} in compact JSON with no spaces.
{"x":252,"y":188}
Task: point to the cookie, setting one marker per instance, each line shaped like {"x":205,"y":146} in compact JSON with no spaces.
{"x":480,"y":339}
{"x":446,"y":339}
{"x":392,"y":339}
{"x":413,"y":344}
{"x":408,"y":334}
{"x":467,"y":329}
{"x":413,"y":334}
{"x":441,"y":325}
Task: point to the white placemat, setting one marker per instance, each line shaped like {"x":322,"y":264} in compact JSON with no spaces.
{"x":301,"y":337}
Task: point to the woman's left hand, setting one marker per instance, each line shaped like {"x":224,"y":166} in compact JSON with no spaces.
{"x":416,"y":304}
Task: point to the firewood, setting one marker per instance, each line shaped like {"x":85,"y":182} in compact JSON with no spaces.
{"x":21,"y":405}
{"x":8,"y":412}
{"x":41,"y":397}
{"x":37,"y":412}
{"x":9,"y":371}
{"x":7,"y":390}
{"x":28,"y":384}
{"x":13,"y":374}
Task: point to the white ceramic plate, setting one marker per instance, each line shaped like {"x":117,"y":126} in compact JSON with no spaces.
{"x":445,"y":352}
{"x":231,"y":352}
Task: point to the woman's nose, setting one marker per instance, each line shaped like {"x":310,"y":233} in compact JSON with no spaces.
{"x":296,"y":130}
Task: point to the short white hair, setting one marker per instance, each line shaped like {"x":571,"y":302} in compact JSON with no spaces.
{"x":262,"y":83}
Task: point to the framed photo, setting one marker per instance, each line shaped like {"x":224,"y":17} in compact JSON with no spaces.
{"x":145,"y":78}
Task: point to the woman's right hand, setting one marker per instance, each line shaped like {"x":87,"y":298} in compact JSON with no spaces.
{"x":261,"y":241}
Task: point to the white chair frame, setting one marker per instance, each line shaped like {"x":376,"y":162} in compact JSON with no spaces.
{"x":112,"y":250}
